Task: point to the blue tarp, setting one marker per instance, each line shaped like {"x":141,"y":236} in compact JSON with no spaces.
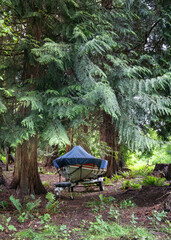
{"x":78,"y":156}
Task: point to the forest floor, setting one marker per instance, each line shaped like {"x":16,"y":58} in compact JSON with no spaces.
{"x":72,"y":212}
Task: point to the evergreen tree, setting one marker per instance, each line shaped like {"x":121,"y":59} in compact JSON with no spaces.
{"x":73,"y":58}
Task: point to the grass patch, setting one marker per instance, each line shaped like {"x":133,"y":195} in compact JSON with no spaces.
{"x":101,"y":229}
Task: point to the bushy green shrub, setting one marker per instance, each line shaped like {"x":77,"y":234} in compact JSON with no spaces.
{"x":153,"y":181}
{"x":126,"y":184}
{"x":25,"y":210}
{"x":130,"y":184}
{"x":116,"y":177}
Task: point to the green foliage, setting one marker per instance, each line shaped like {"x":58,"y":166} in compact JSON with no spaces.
{"x":118,"y":59}
{"x":143,"y":162}
{"x":114,"y":212}
{"x":16,"y":203}
{"x":153,"y":181}
{"x":136,"y":185}
{"x":52,"y":205}
{"x":116,"y":177}
{"x":166,"y":227}
{"x":99,"y":205}
{"x":103,"y":230}
{"x":3,"y":204}
{"x":107,"y":181}
{"x":127,"y":203}
{"x":25,"y":211}
{"x":131,"y":184}
{"x":106,"y":200}
{"x":126,"y":174}
{"x":49,"y":231}
{"x":126,"y":184}
{"x":157,"y":218}
{"x":45,"y":218}
{"x":6,"y":226}
{"x":133,"y":221}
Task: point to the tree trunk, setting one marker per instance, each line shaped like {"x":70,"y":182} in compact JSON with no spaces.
{"x":107,"y":4}
{"x":53,"y":156}
{"x":2,"y":180}
{"x":26,"y":177}
{"x":110,"y":136}
{"x":71,"y":138}
{"x":9,"y":157}
{"x":162,"y":170}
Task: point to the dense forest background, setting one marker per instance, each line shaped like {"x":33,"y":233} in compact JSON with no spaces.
{"x":79,"y":72}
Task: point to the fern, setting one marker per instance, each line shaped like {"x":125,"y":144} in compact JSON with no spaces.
{"x":52,"y":204}
{"x":32,"y":99}
{"x":55,"y":133}
{"x":30,"y":206}
{"x":16,"y":203}
{"x":2,"y":107}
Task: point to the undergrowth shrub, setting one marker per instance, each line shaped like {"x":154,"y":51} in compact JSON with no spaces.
{"x":116,"y":177}
{"x":130,"y":184}
{"x":153,"y":181}
{"x":26,"y":210}
{"x":101,"y":229}
{"x":48,"y":232}
{"x":3,"y":204}
{"x":52,"y":205}
{"x":142,"y":171}
{"x":107,"y":181}
{"x":127,"y":203}
{"x":127,"y":174}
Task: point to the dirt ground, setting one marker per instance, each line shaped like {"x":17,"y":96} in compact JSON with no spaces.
{"x":72,"y":212}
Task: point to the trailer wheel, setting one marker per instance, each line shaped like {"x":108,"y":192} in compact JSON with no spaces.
{"x":101,"y":186}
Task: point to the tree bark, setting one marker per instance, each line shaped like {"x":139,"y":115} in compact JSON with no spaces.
{"x":107,"y":4}
{"x":26,"y":177}
{"x":49,"y":159}
{"x":2,"y":180}
{"x":109,"y":135}
{"x":71,"y":138}
{"x":9,"y":157}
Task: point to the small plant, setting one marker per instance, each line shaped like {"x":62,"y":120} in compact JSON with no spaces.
{"x":48,"y":232}
{"x":45,"y":218}
{"x":100,"y":205}
{"x":47,"y":183}
{"x":157,"y":217}
{"x":113,"y":212}
{"x":142,"y":171}
{"x":52,"y":204}
{"x":96,"y":209}
{"x":107,"y":181}
{"x":101,"y":229}
{"x":136,"y":185}
{"x":126,"y":184}
{"x":167,"y":227}
{"x":26,"y":210}
{"x":133,"y":221}
{"x":116,"y":177}
{"x":96,"y":227}
{"x":6,"y":226}
{"x":126,"y":174}
{"x":153,"y":181}
{"x":127,"y":203}
{"x":106,"y":200}
{"x":3,"y":204}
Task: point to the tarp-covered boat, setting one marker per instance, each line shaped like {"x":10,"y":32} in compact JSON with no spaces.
{"x":79,"y":166}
